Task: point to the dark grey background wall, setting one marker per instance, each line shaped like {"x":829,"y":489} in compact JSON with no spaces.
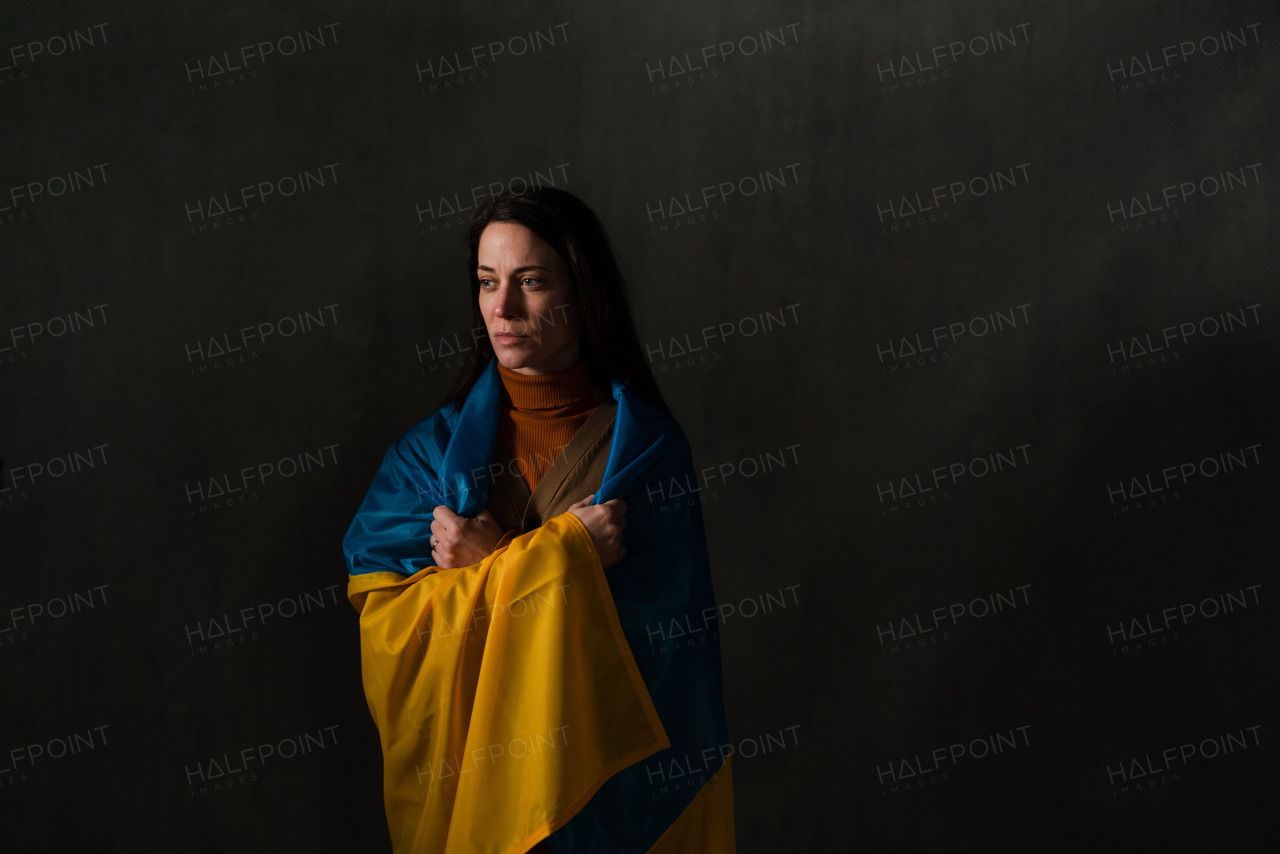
{"x":965,"y":308}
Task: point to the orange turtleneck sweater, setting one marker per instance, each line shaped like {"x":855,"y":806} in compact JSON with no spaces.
{"x":539,"y":415}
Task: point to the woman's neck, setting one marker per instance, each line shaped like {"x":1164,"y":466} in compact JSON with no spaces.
{"x":565,"y":392}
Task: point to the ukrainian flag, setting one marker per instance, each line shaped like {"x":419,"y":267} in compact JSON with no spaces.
{"x":535,"y":695}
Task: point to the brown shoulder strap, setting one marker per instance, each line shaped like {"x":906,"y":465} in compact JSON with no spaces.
{"x":577,"y":472}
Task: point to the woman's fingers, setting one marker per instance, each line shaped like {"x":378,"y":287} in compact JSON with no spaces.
{"x":461,"y":540}
{"x":452,"y":539}
{"x":605,"y":523}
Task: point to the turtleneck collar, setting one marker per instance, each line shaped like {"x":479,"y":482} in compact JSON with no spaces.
{"x":563,"y":392}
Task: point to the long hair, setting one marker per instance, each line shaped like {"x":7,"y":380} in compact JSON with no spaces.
{"x":609,"y":343}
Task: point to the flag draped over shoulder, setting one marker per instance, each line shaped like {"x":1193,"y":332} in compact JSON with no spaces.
{"x":536,"y":694}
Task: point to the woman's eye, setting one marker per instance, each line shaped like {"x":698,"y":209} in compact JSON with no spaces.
{"x":529,"y":280}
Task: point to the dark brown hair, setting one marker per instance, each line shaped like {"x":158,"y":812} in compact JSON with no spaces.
{"x":609,"y":344}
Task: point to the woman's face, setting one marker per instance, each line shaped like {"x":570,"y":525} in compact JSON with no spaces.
{"x":527,"y":300}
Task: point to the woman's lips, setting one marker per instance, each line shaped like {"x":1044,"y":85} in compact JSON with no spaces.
{"x":505,"y":338}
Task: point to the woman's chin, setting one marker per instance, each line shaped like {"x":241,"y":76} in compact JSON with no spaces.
{"x":530,"y":360}
{"x":512,"y":361}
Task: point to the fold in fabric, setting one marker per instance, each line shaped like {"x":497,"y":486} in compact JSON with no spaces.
{"x":625,"y":659}
{"x":706,"y":825}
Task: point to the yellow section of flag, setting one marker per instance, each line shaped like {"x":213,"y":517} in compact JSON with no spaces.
{"x":505,"y":693}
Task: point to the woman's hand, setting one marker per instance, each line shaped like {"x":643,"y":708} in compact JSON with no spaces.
{"x":457,"y":541}
{"x":605,"y":523}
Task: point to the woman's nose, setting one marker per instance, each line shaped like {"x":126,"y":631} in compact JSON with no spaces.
{"x":508,"y":302}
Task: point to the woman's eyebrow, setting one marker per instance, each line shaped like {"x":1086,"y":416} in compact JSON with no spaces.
{"x":517,"y":269}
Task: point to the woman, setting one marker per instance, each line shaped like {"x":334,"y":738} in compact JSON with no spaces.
{"x":539,"y":640}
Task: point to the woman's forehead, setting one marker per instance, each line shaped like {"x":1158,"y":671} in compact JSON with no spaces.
{"x":509,"y":242}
